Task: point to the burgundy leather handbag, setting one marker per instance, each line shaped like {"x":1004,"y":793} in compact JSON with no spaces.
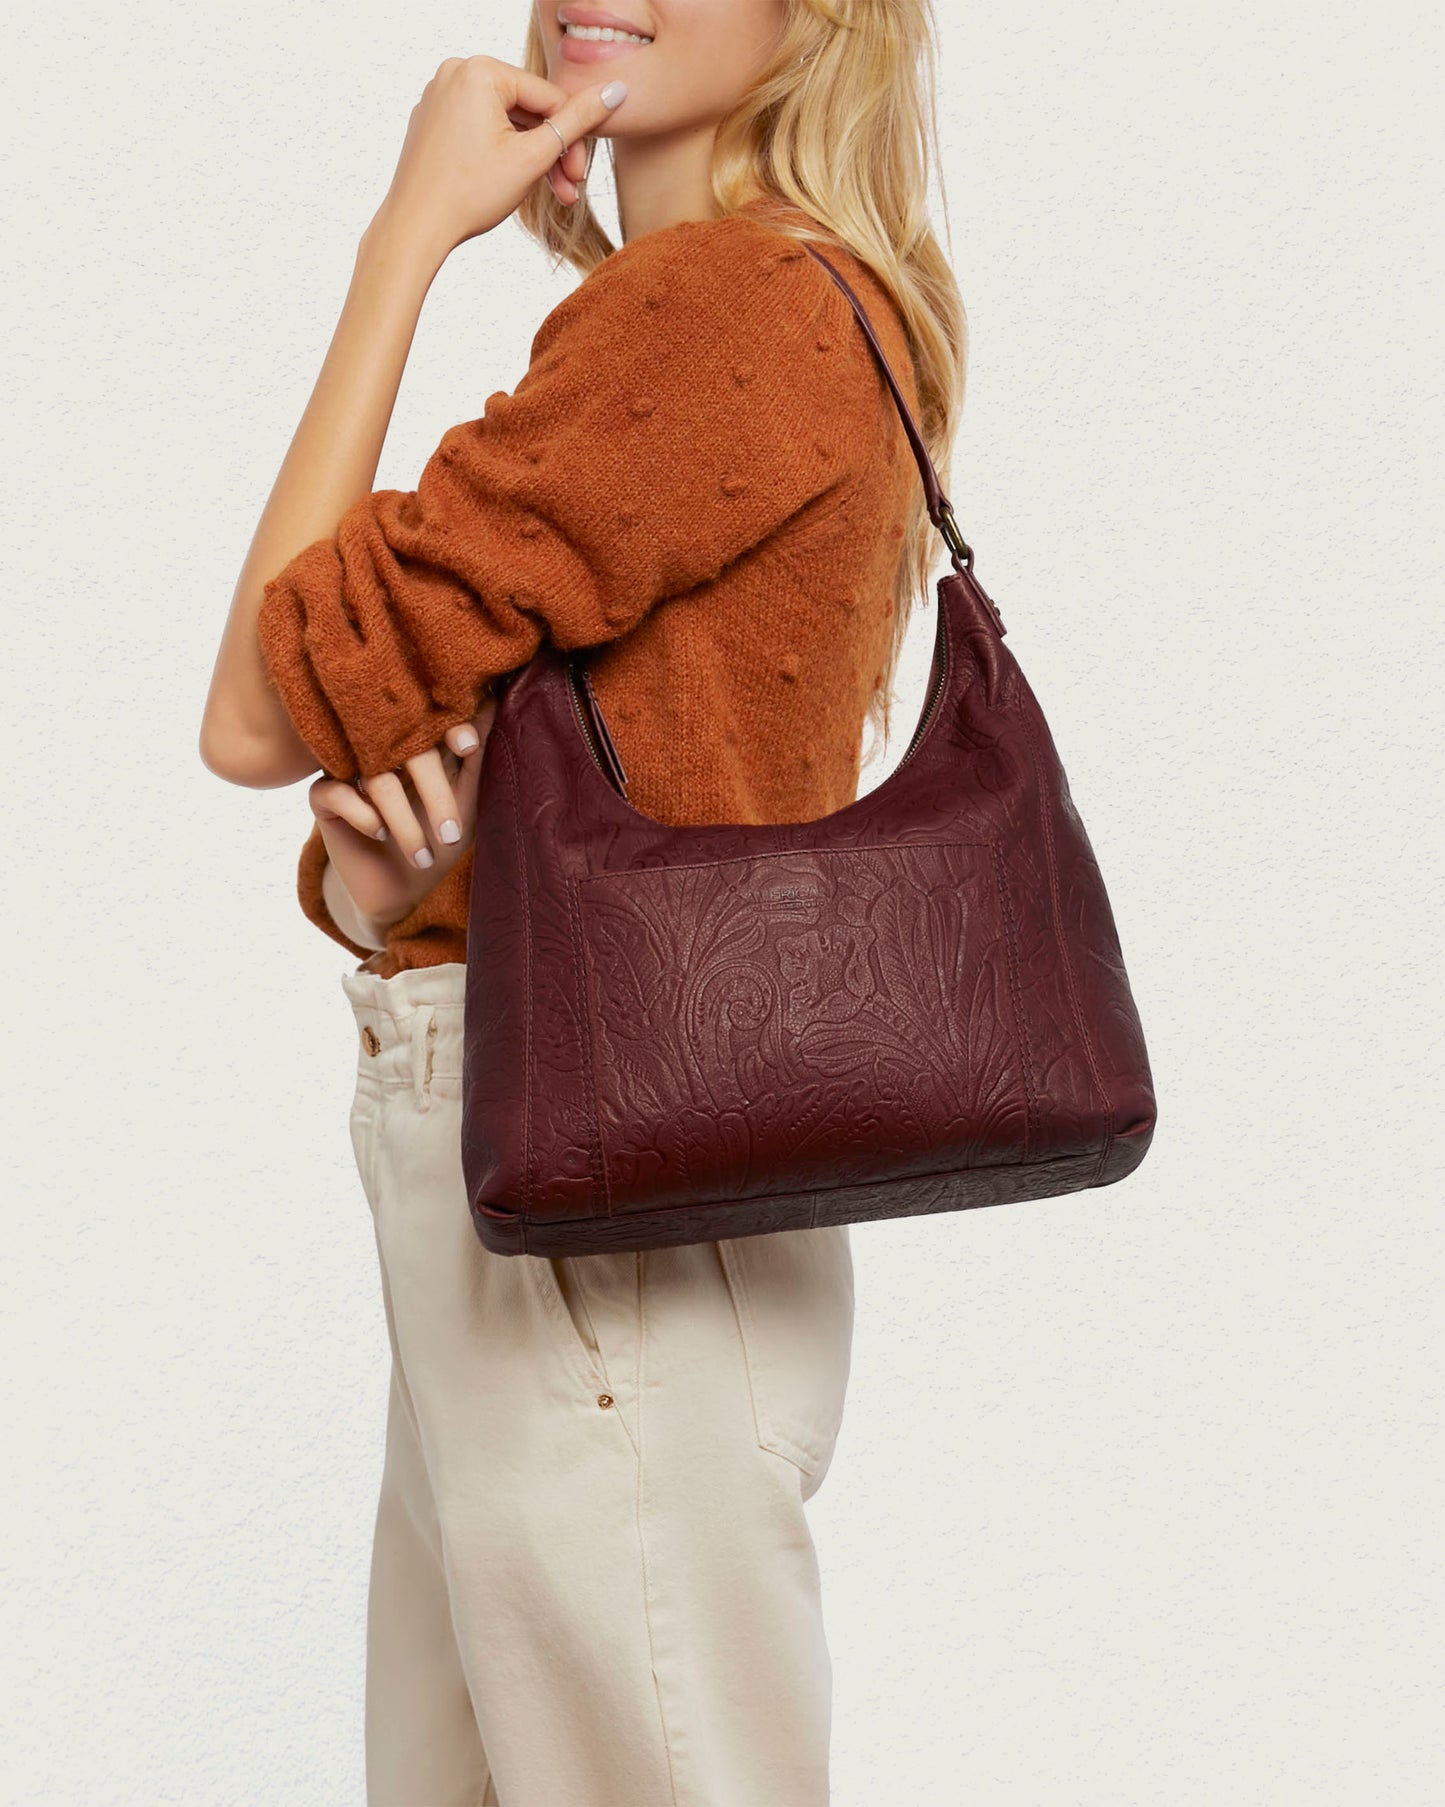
{"x":678,"y":1034}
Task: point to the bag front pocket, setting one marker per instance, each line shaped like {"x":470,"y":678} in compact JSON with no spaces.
{"x":793,"y":1294}
{"x":792,"y":1022}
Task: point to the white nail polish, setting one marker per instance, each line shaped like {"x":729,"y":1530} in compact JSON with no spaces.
{"x":613,"y":93}
{"x":425,"y":858}
{"x":450,"y":831}
{"x":468,"y":738}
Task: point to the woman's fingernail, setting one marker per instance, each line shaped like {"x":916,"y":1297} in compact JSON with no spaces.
{"x":613,"y":92}
{"x":467,"y":738}
{"x":424,"y":857}
{"x":450,"y":831}
{"x":381,"y":834}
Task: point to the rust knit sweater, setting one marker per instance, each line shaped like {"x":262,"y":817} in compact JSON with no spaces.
{"x":703,"y":476}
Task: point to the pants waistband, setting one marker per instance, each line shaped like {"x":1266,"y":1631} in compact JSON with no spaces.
{"x":409,"y":1027}
{"x":444,"y":984}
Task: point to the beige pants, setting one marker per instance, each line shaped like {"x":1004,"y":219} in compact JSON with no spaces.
{"x":593,"y":1582}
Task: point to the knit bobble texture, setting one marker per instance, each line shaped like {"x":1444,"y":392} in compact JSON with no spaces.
{"x":676,"y":487}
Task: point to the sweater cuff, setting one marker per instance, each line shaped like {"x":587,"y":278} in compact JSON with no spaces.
{"x":362,"y":709}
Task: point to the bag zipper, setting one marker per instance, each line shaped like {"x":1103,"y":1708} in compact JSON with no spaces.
{"x":606,"y":758}
{"x":612,"y":758}
{"x":930,"y":701}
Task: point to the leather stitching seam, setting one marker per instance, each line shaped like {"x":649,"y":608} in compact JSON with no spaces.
{"x":820,"y":1192}
{"x":1085,"y":1039}
{"x":1026,"y":1058}
{"x":595,"y":1159}
{"x":783,"y":853}
{"x":526,"y":981}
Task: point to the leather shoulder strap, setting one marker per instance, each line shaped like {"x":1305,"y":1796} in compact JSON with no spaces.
{"x":940,"y":511}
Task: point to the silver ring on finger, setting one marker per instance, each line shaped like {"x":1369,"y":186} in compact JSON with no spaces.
{"x":560,"y":139}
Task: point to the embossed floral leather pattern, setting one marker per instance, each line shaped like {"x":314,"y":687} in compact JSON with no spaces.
{"x":683,"y":1033}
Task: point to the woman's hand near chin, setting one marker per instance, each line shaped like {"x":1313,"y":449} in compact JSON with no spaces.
{"x":482,"y":135}
{"x":390,"y":846}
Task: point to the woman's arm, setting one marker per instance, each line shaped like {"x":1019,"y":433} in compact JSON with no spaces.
{"x":477,"y":140}
{"x":677,"y":411}
{"x":246,"y":734}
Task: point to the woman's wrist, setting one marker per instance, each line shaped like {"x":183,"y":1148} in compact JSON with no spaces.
{"x":344,"y":913}
{"x":399,"y":243}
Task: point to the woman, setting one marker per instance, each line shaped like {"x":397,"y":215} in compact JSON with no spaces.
{"x":593,"y":1583}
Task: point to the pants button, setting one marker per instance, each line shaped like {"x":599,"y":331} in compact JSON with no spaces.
{"x":604,"y":1400}
{"x":371,"y":1040}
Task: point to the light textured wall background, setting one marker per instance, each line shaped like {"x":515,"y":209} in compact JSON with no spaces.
{"x":1139,"y":1494}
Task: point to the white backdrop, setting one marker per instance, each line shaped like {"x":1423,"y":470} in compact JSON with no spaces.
{"x":1134,"y":1497}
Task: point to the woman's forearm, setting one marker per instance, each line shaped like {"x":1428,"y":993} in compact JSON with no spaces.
{"x":246,"y":735}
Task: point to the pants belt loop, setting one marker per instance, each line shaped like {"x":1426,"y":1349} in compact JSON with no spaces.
{"x":423,"y":1044}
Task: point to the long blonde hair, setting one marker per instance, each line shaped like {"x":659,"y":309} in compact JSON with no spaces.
{"x":842,"y":124}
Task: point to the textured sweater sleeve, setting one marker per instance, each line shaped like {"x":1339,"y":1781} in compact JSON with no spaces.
{"x":669,"y":422}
